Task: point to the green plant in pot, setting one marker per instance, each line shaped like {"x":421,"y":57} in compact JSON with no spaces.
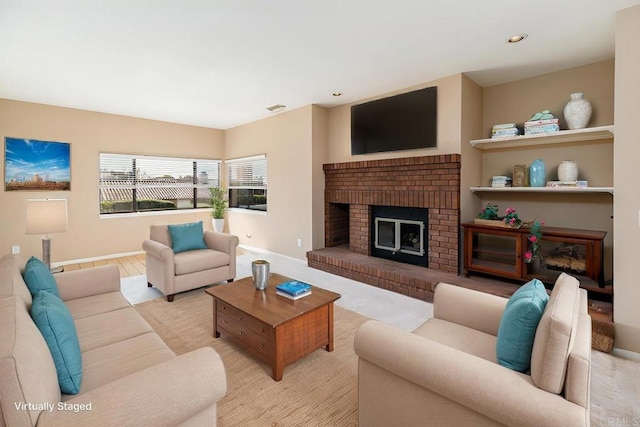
{"x":218,"y":207}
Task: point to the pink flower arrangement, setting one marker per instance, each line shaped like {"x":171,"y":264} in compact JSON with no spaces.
{"x":512,"y":218}
{"x":534,"y":240}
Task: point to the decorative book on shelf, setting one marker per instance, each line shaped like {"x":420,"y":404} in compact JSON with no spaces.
{"x":293,"y":288}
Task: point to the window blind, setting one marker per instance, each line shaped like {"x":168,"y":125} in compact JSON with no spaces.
{"x":125,"y":181}
{"x":247,"y":172}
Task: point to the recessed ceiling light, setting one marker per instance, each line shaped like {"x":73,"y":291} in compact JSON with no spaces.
{"x":337,"y":93}
{"x":276,"y":108}
{"x":517,"y":38}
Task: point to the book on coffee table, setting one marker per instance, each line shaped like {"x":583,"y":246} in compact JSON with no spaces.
{"x":293,"y":288}
{"x":293,"y":297}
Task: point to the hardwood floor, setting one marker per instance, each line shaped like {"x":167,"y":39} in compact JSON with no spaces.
{"x":129,"y":266}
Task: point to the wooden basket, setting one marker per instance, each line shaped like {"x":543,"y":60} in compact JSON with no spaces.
{"x":602,"y":335}
{"x":500,"y":223}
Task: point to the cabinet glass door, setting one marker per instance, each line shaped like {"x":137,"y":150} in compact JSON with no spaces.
{"x":558,"y":256}
{"x":493,"y":253}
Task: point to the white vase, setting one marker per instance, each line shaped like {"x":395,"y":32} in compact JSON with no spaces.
{"x":568,"y":171}
{"x":577,"y":112}
{"x":218,"y":224}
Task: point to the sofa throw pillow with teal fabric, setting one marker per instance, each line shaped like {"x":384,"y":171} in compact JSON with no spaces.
{"x":187,"y":237}
{"x":518,"y":325}
{"x":39,"y":278}
{"x":54,"y":320}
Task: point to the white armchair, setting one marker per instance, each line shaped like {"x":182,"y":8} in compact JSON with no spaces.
{"x":172,"y":272}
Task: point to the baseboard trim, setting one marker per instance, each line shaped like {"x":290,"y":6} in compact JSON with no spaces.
{"x":266,"y":251}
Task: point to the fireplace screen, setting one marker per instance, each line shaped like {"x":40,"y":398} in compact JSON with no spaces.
{"x":399,"y":235}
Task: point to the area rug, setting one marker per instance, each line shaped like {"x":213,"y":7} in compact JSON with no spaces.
{"x":321,"y":389}
{"x":318,"y":390}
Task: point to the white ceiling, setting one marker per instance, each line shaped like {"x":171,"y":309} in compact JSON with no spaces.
{"x":220,"y":63}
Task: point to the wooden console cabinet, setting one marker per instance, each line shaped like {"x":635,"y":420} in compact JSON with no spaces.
{"x":500,"y":252}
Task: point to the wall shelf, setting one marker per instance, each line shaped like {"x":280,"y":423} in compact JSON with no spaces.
{"x":542,"y":189}
{"x":563,"y":136}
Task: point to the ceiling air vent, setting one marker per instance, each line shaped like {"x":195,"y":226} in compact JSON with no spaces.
{"x":276,"y":108}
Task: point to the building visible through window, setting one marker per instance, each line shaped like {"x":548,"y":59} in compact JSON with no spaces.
{"x":247,"y":182}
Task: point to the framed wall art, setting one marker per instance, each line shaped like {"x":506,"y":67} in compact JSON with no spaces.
{"x":33,"y":165}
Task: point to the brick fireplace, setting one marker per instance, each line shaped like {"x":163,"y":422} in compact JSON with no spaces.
{"x":352,"y":189}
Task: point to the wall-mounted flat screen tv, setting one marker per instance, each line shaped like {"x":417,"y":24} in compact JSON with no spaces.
{"x":402,"y":122}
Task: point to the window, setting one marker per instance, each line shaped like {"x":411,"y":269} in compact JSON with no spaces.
{"x":131,"y":183}
{"x":247,"y":181}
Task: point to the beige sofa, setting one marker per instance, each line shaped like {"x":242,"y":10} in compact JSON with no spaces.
{"x":172,"y":273}
{"x":446,"y":371}
{"x":129,"y":376}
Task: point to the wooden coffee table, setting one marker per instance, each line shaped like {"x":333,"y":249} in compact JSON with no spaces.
{"x":273,"y":328}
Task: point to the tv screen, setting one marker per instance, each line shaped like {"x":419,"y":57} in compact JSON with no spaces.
{"x":401,"y":122}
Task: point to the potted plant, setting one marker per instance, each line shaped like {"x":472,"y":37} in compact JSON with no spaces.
{"x":218,"y":207}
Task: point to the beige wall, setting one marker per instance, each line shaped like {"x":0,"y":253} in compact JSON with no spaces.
{"x":449,"y":105}
{"x":90,"y":133}
{"x":517,"y":102}
{"x":626,"y":177}
{"x":286,"y":139}
{"x":471,"y":171}
{"x":320,"y":137}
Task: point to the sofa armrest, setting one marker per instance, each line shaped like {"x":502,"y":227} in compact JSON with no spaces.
{"x":222,"y":242}
{"x":164,"y":394}
{"x":474,"y":309}
{"x":499,"y":393}
{"x":89,"y":281}
{"x":158,"y":250}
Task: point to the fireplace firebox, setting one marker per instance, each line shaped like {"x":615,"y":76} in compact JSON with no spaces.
{"x":400,"y":234}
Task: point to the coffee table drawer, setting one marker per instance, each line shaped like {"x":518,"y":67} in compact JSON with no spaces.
{"x":247,"y":336}
{"x":249,"y":322}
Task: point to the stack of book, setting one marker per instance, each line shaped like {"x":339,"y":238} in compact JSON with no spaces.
{"x":504,"y":130}
{"x":293,"y":289}
{"x":501,"y":181}
{"x":541,"y":126}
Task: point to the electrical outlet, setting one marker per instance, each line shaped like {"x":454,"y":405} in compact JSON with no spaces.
{"x":15,"y":250}
{"x":299,"y":242}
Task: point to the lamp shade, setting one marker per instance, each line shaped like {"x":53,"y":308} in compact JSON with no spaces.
{"x":45,"y":216}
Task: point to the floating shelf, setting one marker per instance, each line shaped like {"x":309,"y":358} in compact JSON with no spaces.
{"x":563,"y":136}
{"x":543,"y":189}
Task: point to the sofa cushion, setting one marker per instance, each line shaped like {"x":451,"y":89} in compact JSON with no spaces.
{"x":460,"y":337}
{"x":96,"y":304}
{"x":98,"y":330}
{"x":105,"y":364}
{"x":193,"y":261}
{"x":518,"y":325}
{"x":187,"y":237}
{"x":553,"y":340}
{"x":56,"y":325}
{"x":39,"y":278}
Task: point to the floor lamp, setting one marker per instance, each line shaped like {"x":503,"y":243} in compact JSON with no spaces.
{"x":46,"y":216}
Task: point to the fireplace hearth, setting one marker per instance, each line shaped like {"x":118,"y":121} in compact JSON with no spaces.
{"x":355,"y":192}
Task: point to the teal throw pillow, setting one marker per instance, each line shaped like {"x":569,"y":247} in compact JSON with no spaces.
{"x":39,"y":278}
{"x":518,"y":325}
{"x":187,"y":237}
{"x":54,"y":320}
